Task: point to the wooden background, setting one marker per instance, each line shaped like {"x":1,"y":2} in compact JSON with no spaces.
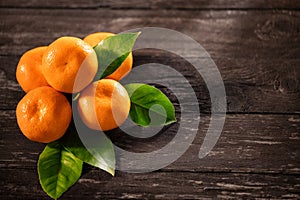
{"x":256,"y":46}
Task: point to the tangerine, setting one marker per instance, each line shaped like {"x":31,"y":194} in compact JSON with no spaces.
{"x":43,"y":114}
{"x":68,"y":59}
{"x":29,"y":70}
{"x":104,"y":105}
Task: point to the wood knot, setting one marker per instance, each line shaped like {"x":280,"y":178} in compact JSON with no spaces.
{"x":277,"y":28}
{"x":287,"y":85}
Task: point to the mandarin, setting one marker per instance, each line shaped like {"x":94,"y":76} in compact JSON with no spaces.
{"x":43,"y":114}
{"x":104,"y":105}
{"x":29,"y":70}
{"x":69,"y":64}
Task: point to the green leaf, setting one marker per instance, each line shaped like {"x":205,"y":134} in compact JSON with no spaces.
{"x":149,"y":106}
{"x":102,"y":156}
{"x":58,"y":169}
{"x":114,"y":65}
{"x":112,"y":51}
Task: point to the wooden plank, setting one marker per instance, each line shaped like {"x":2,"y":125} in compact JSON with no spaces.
{"x":251,"y":85}
{"x":271,"y":49}
{"x":95,"y":184}
{"x":234,"y":34}
{"x":10,"y":89}
{"x":247,"y":90}
{"x":248,"y":144}
{"x":156,"y":4}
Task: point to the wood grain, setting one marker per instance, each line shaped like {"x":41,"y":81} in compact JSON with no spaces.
{"x":261,"y":46}
{"x":249,"y":143}
{"x":247,"y":90}
{"x":95,"y":184}
{"x":257,"y":156}
{"x":255,"y":45}
{"x":235,"y":34}
{"x":155,"y":4}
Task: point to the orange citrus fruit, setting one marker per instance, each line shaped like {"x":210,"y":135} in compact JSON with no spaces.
{"x":43,"y":114}
{"x":94,"y":39}
{"x":104,"y":105}
{"x":69,"y":64}
{"x":29,"y":70}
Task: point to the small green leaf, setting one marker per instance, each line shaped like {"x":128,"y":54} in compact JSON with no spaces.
{"x":112,"y":51}
{"x":149,"y":106}
{"x":114,"y":65}
{"x":103,"y":155}
{"x":58,"y":169}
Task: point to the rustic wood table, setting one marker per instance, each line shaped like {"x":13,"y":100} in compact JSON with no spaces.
{"x":256,"y":46}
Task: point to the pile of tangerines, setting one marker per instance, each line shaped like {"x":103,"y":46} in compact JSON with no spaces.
{"x":48,"y":73}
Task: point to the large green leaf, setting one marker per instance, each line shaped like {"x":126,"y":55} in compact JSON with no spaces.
{"x":58,"y":169}
{"x":100,"y":154}
{"x":112,"y":51}
{"x":149,"y":106}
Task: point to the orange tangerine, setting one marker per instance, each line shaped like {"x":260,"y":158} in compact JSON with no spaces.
{"x":68,"y":59}
{"x":43,"y":114}
{"x":29,"y":70}
{"x":104,"y":105}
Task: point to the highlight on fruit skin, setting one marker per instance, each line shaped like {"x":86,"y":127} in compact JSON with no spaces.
{"x":104,"y":105}
{"x":67,"y":59}
{"x":43,"y":114}
{"x":94,"y":39}
{"x":29,"y":70}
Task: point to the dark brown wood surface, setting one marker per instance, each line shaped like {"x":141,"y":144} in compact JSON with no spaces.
{"x":256,"y":46}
